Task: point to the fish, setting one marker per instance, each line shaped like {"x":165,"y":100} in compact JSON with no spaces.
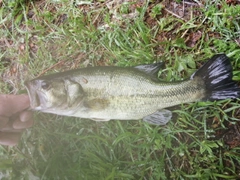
{"x":106,"y":93}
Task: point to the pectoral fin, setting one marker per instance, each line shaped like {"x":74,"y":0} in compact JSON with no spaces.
{"x":97,"y":119}
{"x":160,"y":117}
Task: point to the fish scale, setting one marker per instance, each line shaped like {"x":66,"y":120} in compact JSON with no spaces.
{"x":129,"y":93}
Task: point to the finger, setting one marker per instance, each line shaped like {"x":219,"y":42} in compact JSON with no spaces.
{"x":18,"y":124}
{"x":3,"y":121}
{"x":26,"y":116}
{"x":11,"y":104}
{"x":9,"y":139}
{"x":9,"y":127}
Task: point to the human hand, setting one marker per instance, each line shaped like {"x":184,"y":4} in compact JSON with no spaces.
{"x":14,"y":118}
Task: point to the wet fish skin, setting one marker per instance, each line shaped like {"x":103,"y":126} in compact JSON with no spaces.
{"x":94,"y":95}
{"x":128,"y":93}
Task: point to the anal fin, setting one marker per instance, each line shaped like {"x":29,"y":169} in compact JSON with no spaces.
{"x":160,"y":117}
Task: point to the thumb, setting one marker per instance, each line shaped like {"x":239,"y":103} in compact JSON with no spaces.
{"x":11,"y":104}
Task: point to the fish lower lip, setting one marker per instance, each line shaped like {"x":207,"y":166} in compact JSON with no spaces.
{"x":37,"y":100}
{"x":33,"y":96}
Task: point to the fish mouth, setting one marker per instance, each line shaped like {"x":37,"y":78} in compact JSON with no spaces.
{"x":35,"y":102}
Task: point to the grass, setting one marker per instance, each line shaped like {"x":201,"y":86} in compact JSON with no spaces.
{"x":42,"y":37}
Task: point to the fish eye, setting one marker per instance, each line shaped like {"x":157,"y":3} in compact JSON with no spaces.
{"x":45,"y":85}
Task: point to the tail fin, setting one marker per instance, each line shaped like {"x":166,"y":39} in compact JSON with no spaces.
{"x":217,"y":76}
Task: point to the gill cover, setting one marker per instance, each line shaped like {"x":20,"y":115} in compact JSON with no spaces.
{"x":48,"y":95}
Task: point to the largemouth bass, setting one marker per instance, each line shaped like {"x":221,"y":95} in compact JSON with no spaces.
{"x":129,"y":93}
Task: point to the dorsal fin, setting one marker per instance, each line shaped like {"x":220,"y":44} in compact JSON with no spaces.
{"x":150,"y":69}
